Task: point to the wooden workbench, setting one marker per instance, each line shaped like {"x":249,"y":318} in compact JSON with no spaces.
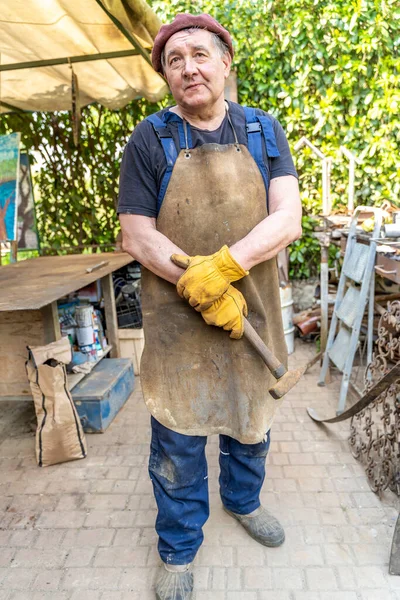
{"x":29,"y":291}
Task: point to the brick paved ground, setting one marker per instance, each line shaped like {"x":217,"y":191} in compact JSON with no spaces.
{"x":84,"y":530}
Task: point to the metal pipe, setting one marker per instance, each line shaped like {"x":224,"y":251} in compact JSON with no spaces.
{"x":67,"y":60}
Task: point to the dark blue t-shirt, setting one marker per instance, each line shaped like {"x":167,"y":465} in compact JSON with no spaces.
{"x":143,"y":163}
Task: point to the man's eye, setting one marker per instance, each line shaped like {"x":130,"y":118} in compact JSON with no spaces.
{"x":173,"y":60}
{"x":200,"y":54}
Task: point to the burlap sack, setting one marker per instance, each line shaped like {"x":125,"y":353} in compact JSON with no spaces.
{"x":59,"y":435}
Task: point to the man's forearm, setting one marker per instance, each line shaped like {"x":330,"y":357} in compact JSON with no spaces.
{"x":266,"y":239}
{"x":275,"y":232}
{"x":153,"y":250}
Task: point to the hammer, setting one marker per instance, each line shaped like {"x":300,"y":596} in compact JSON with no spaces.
{"x":286,"y":379}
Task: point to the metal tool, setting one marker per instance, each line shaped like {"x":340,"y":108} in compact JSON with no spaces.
{"x":363,"y":402}
{"x":286,"y":379}
{"x":99,"y":265}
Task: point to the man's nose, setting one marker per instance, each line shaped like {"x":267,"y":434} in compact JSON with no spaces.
{"x":190,"y":67}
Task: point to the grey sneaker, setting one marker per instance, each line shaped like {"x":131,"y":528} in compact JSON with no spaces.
{"x":262,"y":526}
{"x":174,"y":585}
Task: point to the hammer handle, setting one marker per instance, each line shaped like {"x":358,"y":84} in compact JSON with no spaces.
{"x":274,"y":365}
{"x":286,"y":379}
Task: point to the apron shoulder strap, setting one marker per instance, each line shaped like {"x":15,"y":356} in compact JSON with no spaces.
{"x":259,"y":127}
{"x":167,"y":142}
{"x":168,"y":145}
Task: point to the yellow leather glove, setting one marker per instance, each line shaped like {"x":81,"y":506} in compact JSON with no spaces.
{"x":227,"y":312}
{"x":207,"y":277}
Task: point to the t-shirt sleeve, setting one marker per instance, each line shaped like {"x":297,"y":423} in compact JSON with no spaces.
{"x":283,"y":164}
{"x":137,"y":182}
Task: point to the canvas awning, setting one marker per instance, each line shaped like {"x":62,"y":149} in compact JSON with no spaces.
{"x":108,"y":43}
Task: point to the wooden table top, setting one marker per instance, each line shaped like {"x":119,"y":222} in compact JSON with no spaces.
{"x":36,"y":282}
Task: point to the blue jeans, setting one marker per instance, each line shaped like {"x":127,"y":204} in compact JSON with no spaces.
{"x":178,"y":470}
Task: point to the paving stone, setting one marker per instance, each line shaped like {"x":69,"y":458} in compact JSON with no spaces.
{"x":210,"y":596}
{"x":88,"y":595}
{"x":92,"y":578}
{"x":370,"y":577}
{"x":304,"y":555}
{"x":257,"y":579}
{"x":215,"y":556}
{"x":370,"y":553}
{"x":248,"y":556}
{"x":321,"y":578}
{"x":88,"y":537}
{"x":128,"y":537}
{"x":47,"y":580}
{"x":36,"y":558}
{"x":120,"y":556}
{"x":79,"y":557}
{"x":61,"y":519}
{"x":288,"y":578}
{"x":377,"y":594}
{"x":48,"y":538}
{"x":19,"y":579}
{"x":241,"y":595}
{"x":339,"y":554}
{"x":41,"y":595}
{"x":276,"y":595}
{"x":6,"y":556}
{"x":139,"y":578}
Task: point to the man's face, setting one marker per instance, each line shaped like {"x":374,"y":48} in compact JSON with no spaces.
{"x":194,"y":69}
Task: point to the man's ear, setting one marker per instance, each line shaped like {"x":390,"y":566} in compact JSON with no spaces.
{"x":227,"y":60}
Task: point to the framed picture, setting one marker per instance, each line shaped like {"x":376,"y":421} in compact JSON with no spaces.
{"x":9,"y":185}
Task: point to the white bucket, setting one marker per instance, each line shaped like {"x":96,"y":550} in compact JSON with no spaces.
{"x":287,"y":316}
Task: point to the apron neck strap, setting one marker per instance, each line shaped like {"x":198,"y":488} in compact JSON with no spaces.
{"x":185,"y":133}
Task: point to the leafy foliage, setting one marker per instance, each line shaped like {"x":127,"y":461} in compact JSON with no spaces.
{"x":328,"y":70}
{"x":78,"y":187}
{"x":305,"y":252}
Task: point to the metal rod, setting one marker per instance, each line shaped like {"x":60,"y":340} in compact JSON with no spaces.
{"x":66,"y":60}
{"x":326,"y":172}
{"x":131,"y":38}
{"x":305,"y":142}
{"x":352,"y":170}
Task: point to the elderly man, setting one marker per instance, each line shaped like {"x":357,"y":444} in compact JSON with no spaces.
{"x":212,"y":183}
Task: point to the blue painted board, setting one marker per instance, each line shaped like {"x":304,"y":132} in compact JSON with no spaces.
{"x":101,"y":394}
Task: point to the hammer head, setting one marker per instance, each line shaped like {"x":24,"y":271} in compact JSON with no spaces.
{"x":286,"y":383}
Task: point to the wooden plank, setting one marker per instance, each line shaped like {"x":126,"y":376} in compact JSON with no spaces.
{"x":51,"y":323}
{"x":111,"y":315}
{"x":36,"y":282}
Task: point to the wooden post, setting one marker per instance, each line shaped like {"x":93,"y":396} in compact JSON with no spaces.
{"x":51,"y":323}
{"x":111,"y":315}
{"x":13,"y":252}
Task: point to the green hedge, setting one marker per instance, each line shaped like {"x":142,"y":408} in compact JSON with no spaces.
{"x":329,"y":70}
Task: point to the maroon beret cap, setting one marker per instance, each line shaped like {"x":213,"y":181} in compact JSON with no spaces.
{"x":184,"y":21}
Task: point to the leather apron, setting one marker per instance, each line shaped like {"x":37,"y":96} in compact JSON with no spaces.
{"x":195,"y":379}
